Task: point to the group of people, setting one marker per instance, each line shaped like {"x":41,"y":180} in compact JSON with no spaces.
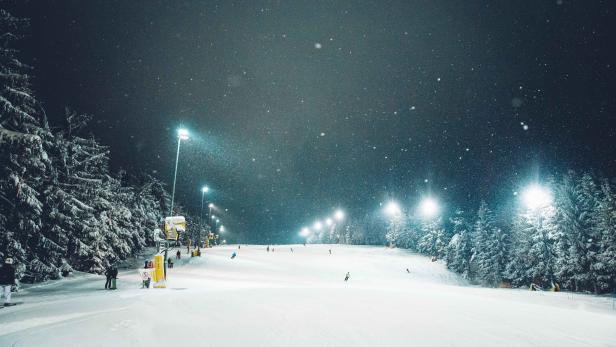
{"x":7,"y":281}
{"x":111,"y":274}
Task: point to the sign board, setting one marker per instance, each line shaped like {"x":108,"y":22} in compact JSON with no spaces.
{"x":158,"y":275}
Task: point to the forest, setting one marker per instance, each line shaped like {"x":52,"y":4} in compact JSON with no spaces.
{"x":61,"y":207}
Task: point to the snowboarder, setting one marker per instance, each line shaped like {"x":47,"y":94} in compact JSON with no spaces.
{"x":178,"y":254}
{"x":233,"y":255}
{"x":108,"y":272}
{"x":348,"y":275}
{"x":7,"y":280}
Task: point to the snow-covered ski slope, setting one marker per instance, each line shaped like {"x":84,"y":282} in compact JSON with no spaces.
{"x":297,"y":299}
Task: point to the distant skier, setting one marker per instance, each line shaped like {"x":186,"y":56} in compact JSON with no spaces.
{"x":272,"y":249}
{"x":407,"y":270}
{"x":178,"y":254}
{"x":108,"y":273}
{"x":291,"y":249}
{"x":268,"y":248}
{"x":348,"y":275}
{"x":330,"y":251}
{"x":169,"y":263}
{"x":233,"y":255}
{"x":239,"y":246}
{"x":7,"y":280}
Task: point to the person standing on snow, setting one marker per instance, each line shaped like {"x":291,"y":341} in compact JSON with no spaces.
{"x":348,"y":275}
{"x":268,"y":248}
{"x":108,"y":276}
{"x":7,"y":280}
{"x":114,"y":277}
{"x":178,"y":254}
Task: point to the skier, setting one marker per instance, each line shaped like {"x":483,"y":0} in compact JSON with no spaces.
{"x":239,"y":246}
{"x":108,"y":272}
{"x":348,"y":275}
{"x":233,"y":255}
{"x":268,"y":248}
{"x":291,"y":249}
{"x":178,"y":254}
{"x":7,"y":280}
{"x":169,"y":263}
{"x":330,"y":251}
{"x":407,"y":270}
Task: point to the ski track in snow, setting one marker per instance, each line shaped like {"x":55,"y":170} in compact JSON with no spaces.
{"x":300,"y":299}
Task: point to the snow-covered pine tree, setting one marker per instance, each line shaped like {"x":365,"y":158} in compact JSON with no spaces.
{"x":460,"y":247}
{"x":24,"y":140}
{"x":533,"y":256}
{"x":576,"y":207}
{"x":434,"y":240}
{"x":605,"y":264}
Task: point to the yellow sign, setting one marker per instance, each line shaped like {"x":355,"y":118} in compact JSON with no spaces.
{"x":158,"y":275}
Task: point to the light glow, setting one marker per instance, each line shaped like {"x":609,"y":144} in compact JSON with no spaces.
{"x":183,"y":134}
{"x":536,"y":196}
{"x":339,"y":215}
{"x":428,"y":207}
{"x":392,"y":209}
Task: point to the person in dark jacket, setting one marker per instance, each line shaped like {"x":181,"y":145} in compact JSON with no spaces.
{"x":7,"y":280}
{"x":114,"y":277}
{"x":108,"y":277}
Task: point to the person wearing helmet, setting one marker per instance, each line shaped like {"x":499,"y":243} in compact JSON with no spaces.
{"x":7,"y":280}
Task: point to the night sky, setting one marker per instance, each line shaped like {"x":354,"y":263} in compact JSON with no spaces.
{"x":299,"y":107}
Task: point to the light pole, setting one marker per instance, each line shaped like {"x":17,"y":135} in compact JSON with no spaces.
{"x":204,"y":190}
{"x":209,"y":215}
{"x":182,"y":135}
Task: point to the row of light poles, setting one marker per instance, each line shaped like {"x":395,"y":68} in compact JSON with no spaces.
{"x":183,"y":135}
{"x":534,"y":197}
{"x":330,"y":222}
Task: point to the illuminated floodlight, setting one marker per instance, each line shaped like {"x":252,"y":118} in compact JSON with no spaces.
{"x":213,"y":217}
{"x":317,"y":225}
{"x":305,"y":232}
{"x":205,"y":189}
{"x":536,"y":196}
{"x":428,"y":207}
{"x":339,"y":215}
{"x":392,"y":209}
{"x":222,"y":228}
{"x":183,"y":134}
{"x":211,"y":205}
{"x":329,"y":222}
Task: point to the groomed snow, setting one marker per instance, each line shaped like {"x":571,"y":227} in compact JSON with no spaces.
{"x":300,"y":299}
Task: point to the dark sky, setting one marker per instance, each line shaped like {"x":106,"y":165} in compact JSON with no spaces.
{"x":298,"y":107}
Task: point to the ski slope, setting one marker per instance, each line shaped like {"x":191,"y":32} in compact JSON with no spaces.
{"x":299,"y":298}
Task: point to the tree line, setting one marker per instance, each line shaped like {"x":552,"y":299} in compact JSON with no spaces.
{"x":569,"y":242}
{"x":61,"y":208}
